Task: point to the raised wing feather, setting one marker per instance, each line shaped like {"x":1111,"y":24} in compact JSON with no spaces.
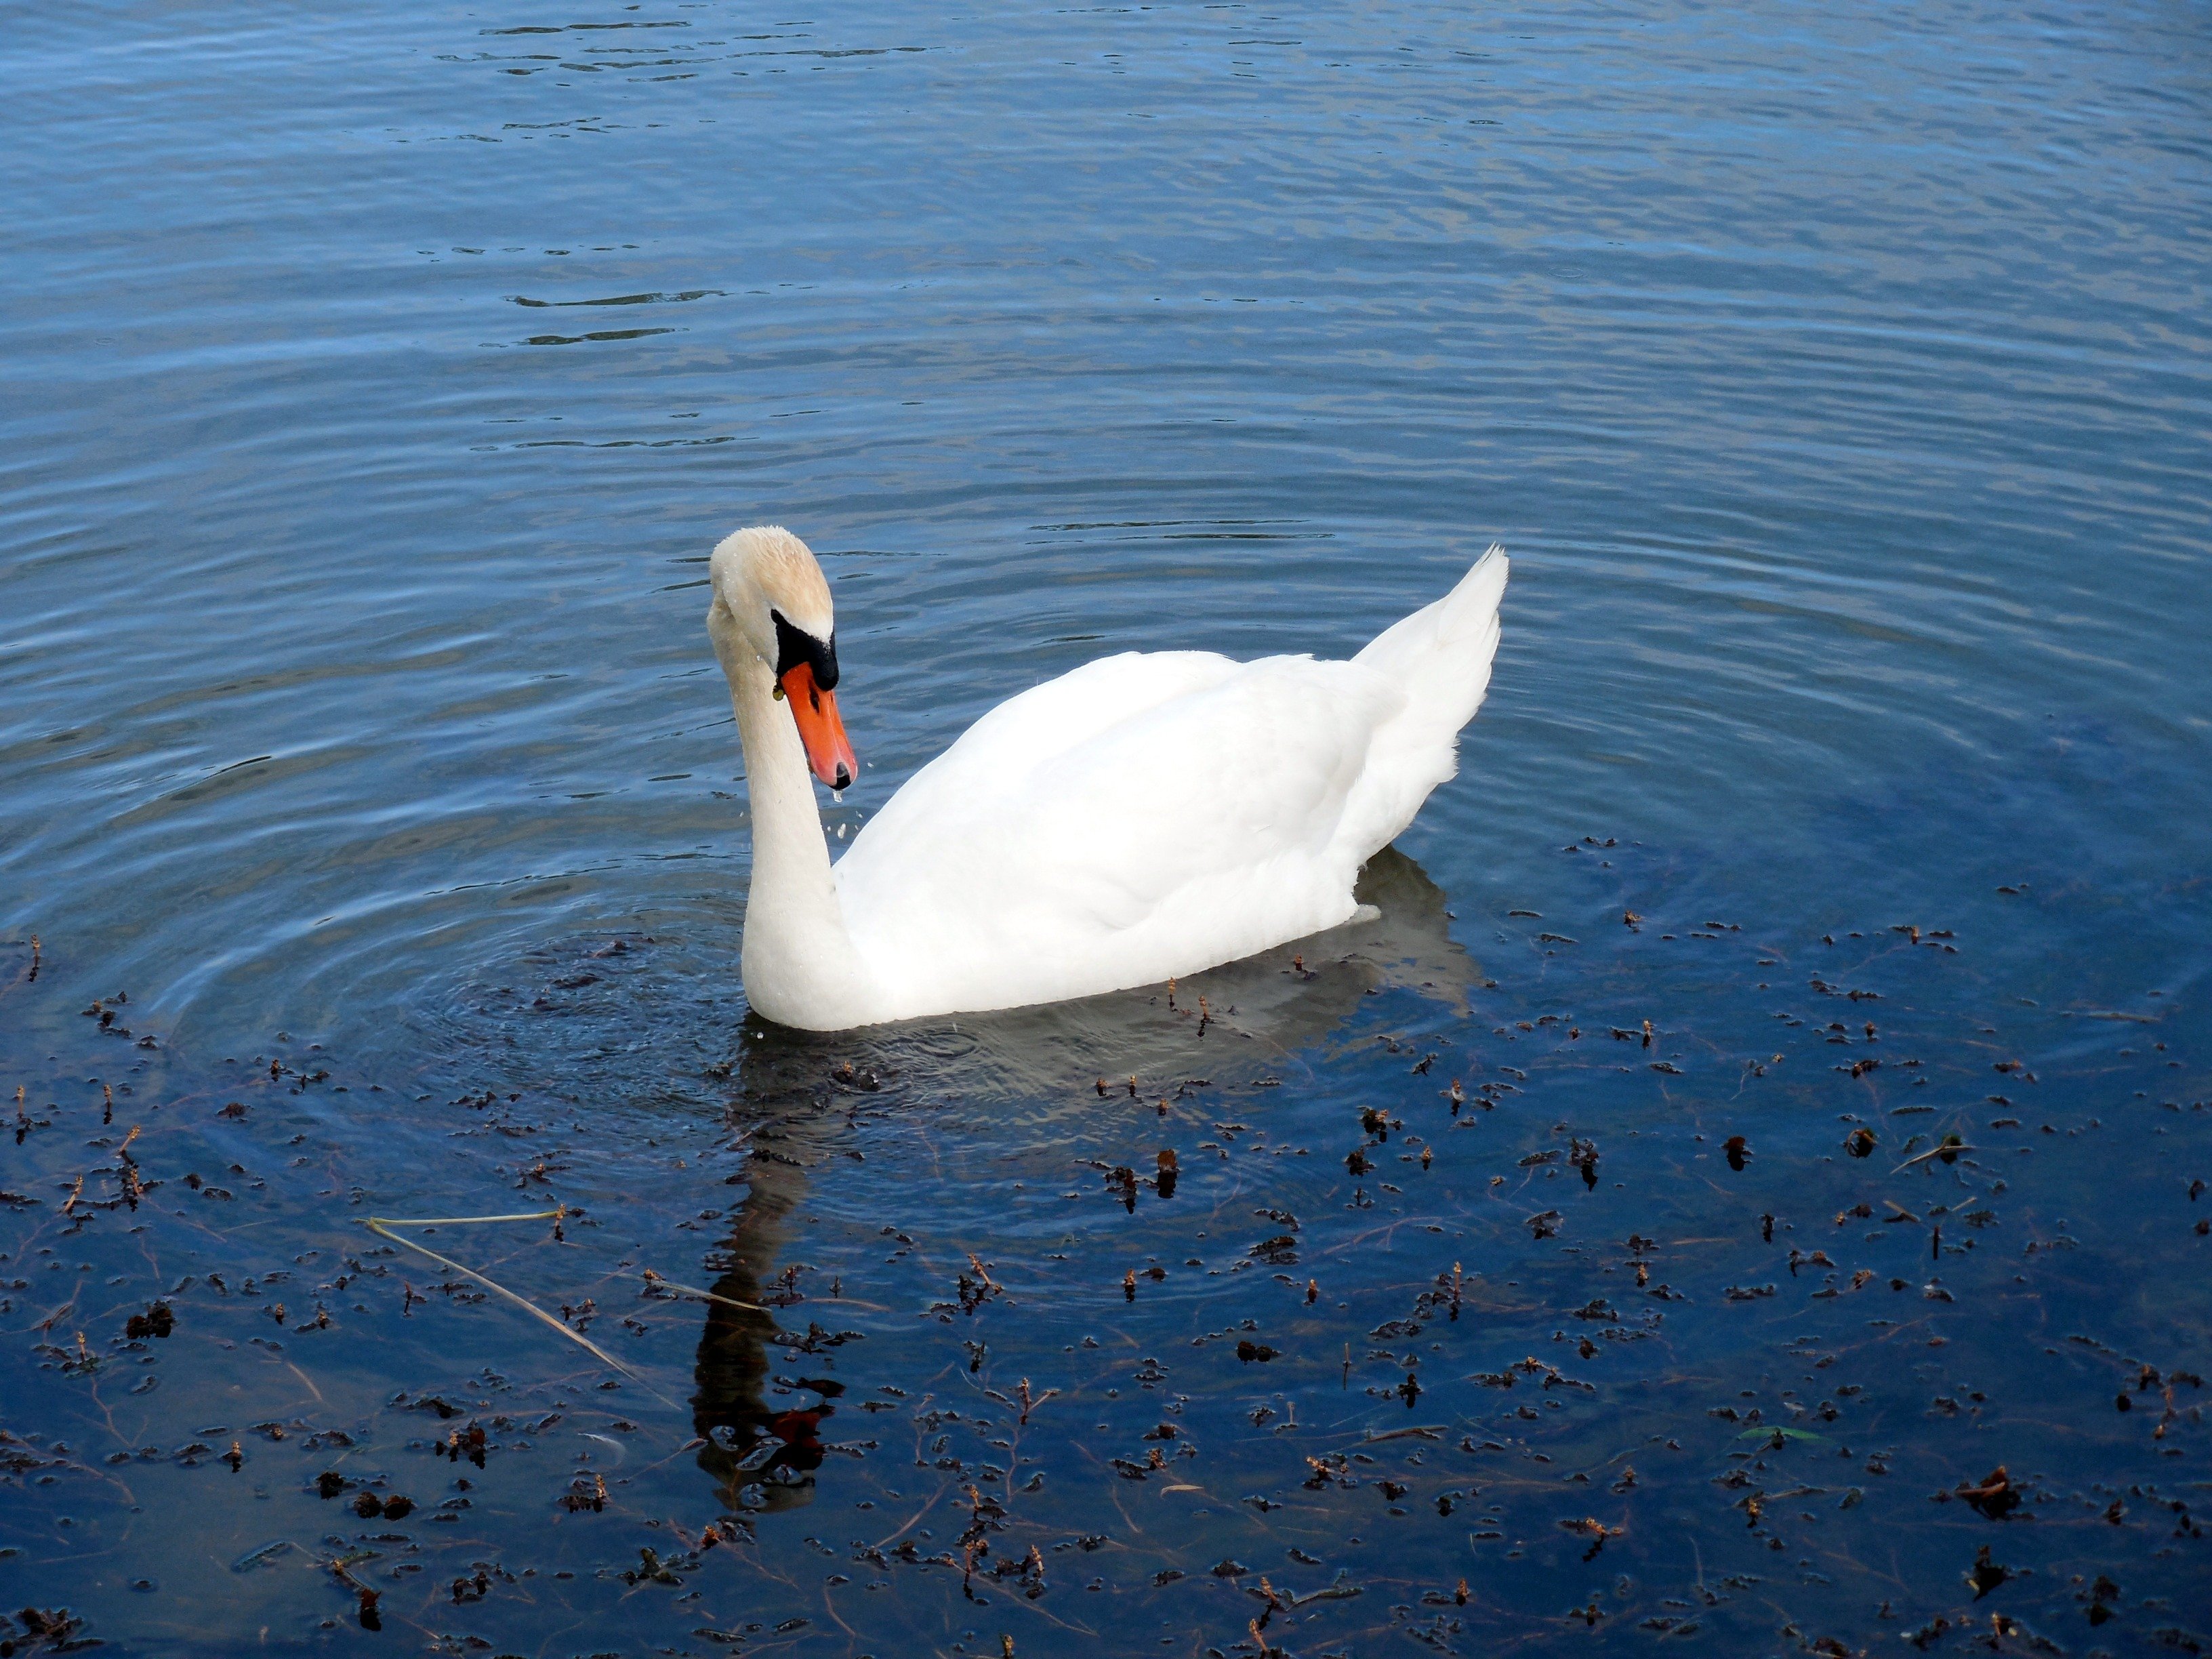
{"x":1146,"y":816}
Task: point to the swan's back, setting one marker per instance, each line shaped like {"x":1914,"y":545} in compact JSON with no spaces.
{"x":1150,"y":814}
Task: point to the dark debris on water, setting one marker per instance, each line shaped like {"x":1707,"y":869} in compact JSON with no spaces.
{"x":866,"y":1362}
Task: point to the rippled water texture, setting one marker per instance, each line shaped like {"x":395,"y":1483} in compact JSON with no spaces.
{"x":377,"y":381}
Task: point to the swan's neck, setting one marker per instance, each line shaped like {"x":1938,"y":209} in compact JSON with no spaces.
{"x":800,"y":964}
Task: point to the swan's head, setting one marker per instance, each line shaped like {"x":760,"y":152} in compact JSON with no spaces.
{"x":771,"y":602}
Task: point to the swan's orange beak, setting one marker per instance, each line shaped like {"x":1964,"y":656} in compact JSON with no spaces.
{"x":829,"y":751}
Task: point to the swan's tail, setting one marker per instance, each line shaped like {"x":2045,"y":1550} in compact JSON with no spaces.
{"x":1439,"y":658}
{"x":1440,"y":654}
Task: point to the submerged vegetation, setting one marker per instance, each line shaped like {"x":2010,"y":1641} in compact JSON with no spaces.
{"x":1681,"y":1284}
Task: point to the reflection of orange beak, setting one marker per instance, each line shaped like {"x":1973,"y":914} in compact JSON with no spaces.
{"x":827,"y":749}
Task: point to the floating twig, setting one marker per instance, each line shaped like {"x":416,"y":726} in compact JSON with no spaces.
{"x":661,"y":1282}
{"x":1950,"y":1149}
{"x":382,"y":1226}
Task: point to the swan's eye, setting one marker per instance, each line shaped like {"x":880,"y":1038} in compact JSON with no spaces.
{"x":795,"y":646}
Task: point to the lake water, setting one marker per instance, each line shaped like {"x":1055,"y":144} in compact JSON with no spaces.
{"x":1839,"y":379}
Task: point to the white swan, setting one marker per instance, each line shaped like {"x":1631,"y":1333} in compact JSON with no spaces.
{"x":1147,"y":816}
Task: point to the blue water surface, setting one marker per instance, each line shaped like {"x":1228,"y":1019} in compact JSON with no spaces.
{"x":1838,"y":377}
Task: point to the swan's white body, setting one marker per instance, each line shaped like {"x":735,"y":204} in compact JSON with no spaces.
{"x":1147,"y":816}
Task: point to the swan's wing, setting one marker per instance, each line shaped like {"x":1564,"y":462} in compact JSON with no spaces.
{"x":1143,"y":817}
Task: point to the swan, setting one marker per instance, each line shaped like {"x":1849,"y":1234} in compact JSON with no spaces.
{"x":1147,"y":816}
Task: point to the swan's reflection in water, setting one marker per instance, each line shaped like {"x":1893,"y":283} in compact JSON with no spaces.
{"x":761,"y":1404}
